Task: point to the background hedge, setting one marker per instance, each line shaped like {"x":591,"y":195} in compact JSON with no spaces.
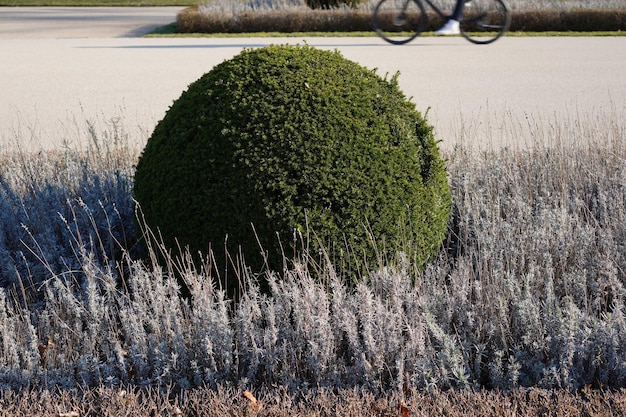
{"x":191,"y":20}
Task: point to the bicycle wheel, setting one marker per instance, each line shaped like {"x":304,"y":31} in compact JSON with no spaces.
{"x":484,"y":21}
{"x":399,"y":21}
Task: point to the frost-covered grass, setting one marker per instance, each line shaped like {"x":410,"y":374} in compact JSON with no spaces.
{"x":528,"y":290}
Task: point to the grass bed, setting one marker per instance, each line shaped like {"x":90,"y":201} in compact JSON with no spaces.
{"x":529,"y":290}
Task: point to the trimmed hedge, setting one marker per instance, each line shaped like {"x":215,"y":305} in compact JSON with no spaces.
{"x":283,"y":140}
{"x":286,"y":21}
{"x":355,"y":20}
{"x":577,"y":20}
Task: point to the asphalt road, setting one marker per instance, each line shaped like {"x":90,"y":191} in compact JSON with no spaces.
{"x":62,"y":69}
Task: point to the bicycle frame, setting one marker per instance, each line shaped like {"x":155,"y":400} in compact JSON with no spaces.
{"x":488,"y":20}
{"x":435,"y":8}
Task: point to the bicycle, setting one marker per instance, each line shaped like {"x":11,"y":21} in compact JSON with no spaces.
{"x":401,"y":21}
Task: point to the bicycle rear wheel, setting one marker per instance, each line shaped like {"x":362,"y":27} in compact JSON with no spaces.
{"x":399,"y":21}
{"x":484,"y":21}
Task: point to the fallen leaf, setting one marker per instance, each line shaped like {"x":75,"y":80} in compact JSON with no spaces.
{"x":43,"y":349}
{"x":404,"y":411}
{"x":249,"y":396}
{"x":255,"y":405}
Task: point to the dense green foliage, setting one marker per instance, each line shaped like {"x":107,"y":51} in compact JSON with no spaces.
{"x":285,"y":142}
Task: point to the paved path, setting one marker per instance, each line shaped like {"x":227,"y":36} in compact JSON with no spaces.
{"x":82,"y":22}
{"x":502,"y":94}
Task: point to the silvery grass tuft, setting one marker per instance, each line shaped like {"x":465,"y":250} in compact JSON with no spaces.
{"x":234,"y":7}
{"x":529,"y":289}
{"x":63,"y":205}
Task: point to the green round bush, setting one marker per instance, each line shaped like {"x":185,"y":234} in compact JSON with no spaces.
{"x":284,"y":141}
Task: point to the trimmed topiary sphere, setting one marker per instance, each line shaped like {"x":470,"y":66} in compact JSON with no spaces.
{"x":284,"y":141}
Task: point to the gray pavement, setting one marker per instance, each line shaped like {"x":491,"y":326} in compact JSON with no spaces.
{"x":82,"y":22}
{"x":515,"y":91}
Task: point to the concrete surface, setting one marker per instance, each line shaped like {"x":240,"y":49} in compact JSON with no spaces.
{"x":82,"y":22}
{"x":504,"y":94}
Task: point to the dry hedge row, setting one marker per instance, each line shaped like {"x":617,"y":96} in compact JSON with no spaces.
{"x":233,"y":402}
{"x":191,"y":20}
{"x":577,"y":20}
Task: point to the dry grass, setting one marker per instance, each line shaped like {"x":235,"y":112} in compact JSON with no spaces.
{"x":229,"y":402}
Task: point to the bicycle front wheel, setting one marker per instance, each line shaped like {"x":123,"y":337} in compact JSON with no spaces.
{"x":484,"y":21}
{"x":399,"y":21}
